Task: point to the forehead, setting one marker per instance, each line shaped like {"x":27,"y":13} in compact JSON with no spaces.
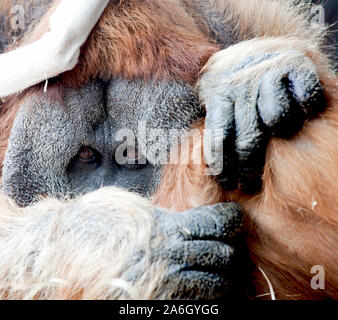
{"x":123,"y":103}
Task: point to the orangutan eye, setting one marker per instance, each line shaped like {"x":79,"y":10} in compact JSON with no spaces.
{"x":87,"y":154}
{"x":87,"y":158}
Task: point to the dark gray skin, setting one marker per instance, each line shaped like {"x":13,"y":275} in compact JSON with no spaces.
{"x":43,"y":152}
{"x":205,"y":263}
{"x":290,"y":95}
{"x":294,"y":95}
{"x":42,"y":159}
{"x":248,"y":116}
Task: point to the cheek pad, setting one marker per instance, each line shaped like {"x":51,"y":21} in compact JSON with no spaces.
{"x":46,"y":134}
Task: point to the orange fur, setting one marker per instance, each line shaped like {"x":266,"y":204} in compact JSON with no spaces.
{"x":292,"y":224}
{"x":286,"y":234}
{"x":148,"y":39}
{"x":152,"y":39}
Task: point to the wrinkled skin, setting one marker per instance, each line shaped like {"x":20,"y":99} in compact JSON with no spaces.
{"x":250,"y":102}
{"x":44,"y":158}
{"x":113,"y":244}
{"x":199,"y":246}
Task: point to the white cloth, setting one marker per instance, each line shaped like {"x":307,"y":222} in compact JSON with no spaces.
{"x":56,"y":52}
